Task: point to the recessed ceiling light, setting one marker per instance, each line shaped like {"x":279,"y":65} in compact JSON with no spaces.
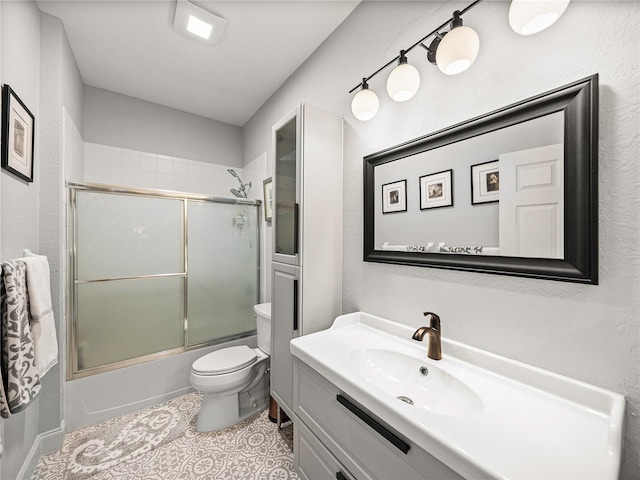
{"x":200,"y":28}
{"x":198,"y":23}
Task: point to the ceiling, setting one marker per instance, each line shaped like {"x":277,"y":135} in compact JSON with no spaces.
{"x":130,"y":47}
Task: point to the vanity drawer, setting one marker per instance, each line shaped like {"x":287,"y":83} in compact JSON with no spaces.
{"x":367,"y":451}
{"x":315,"y":462}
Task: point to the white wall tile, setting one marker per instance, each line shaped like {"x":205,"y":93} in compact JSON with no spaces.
{"x":130,"y":177}
{"x":110,"y":156}
{"x":148,"y":162}
{"x":91,"y":152}
{"x":148,"y":179}
{"x":130,"y":159}
{"x":165,"y":165}
{"x":181,"y":183}
{"x":164,"y":181}
{"x":92,"y":172}
{"x":181,"y":167}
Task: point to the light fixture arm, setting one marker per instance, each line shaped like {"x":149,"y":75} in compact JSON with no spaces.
{"x":456,"y":17}
{"x":456,"y":20}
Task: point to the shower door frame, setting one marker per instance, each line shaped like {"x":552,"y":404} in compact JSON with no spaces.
{"x":72,"y":311}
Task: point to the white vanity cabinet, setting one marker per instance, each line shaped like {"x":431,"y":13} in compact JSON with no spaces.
{"x":335,"y":437}
{"x":307,"y":235}
{"x":370,"y":403}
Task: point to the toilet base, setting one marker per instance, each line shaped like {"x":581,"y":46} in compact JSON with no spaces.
{"x":218,"y":412}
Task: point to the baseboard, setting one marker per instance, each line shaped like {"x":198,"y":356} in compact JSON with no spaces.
{"x":52,"y":440}
{"x":45,"y":443}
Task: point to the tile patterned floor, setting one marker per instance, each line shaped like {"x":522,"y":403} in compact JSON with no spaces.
{"x":112,"y":450}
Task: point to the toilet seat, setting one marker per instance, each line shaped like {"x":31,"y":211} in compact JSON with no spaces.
{"x":226,"y":360}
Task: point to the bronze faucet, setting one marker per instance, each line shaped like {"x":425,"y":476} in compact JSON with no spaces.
{"x":434,"y":351}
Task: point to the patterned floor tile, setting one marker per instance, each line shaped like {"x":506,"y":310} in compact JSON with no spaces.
{"x":253,"y":449}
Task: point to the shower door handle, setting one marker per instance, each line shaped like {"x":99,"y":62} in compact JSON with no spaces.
{"x":295,"y":305}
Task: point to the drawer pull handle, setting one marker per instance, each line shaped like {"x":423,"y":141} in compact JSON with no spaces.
{"x":373,"y":423}
{"x":341,"y":476}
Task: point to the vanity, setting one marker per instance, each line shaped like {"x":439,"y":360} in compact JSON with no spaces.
{"x":369,"y":404}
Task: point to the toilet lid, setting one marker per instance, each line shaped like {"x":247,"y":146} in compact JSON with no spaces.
{"x":225,"y":360}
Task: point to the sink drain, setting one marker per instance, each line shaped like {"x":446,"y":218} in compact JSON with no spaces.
{"x":405,"y":399}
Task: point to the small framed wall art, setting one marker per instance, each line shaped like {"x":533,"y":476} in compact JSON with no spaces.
{"x":267,"y":191}
{"x":394,"y":197}
{"x":436,"y":190}
{"x":485,"y":182}
{"x":18,"y":125}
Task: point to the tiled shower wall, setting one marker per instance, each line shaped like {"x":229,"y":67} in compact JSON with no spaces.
{"x":121,"y":166}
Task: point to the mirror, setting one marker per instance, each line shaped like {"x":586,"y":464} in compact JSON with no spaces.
{"x":512,"y":192}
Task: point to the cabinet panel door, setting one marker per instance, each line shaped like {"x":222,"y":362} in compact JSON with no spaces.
{"x":287,"y":192}
{"x":315,"y":462}
{"x":286,"y":313}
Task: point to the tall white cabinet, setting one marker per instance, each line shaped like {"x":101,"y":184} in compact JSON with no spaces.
{"x":307,"y":235}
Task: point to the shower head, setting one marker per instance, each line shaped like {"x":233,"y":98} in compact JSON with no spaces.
{"x":242,"y":192}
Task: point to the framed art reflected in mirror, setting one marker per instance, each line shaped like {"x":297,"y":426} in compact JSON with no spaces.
{"x":545,"y":145}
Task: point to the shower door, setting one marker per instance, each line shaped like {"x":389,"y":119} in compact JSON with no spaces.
{"x":156,"y":273}
{"x":223,"y":275}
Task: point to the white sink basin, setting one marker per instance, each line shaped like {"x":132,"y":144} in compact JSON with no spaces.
{"x":482,"y":415}
{"x":415,"y":382}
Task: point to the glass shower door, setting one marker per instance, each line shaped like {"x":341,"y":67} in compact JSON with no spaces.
{"x":155,"y":273}
{"x":129,"y":277}
{"x":223,"y":255}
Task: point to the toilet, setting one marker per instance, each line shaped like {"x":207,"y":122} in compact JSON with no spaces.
{"x":234,"y":380}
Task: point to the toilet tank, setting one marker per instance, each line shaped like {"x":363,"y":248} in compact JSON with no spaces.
{"x":263,"y":325}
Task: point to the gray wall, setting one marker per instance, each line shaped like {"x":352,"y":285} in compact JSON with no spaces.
{"x":37,"y":62}
{"x":113,"y":119}
{"x":587,"y":332}
{"x":60,"y":87}
{"x":20,"y":32}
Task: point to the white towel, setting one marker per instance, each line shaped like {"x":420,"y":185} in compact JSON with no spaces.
{"x":21,"y":382}
{"x":43,"y":327}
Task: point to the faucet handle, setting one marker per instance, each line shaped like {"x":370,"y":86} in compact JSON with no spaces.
{"x":435,"y":320}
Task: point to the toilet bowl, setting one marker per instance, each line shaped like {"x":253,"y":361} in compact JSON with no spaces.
{"x":234,"y":380}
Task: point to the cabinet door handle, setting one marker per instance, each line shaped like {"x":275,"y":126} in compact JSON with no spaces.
{"x":373,"y":423}
{"x":295,"y":305}
{"x":341,"y":476}
{"x":296,"y":225}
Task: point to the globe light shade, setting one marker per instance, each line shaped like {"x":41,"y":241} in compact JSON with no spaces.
{"x":527,"y":17}
{"x":365,"y":104}
{"x":403,"y":82}
{"x":457,"y":50}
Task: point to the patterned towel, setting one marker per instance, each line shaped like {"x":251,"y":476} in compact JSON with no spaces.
{"x":18,"y":369}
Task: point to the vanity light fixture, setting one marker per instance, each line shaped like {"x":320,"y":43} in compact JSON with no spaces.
{"x":198,"y":23}
{"x":365,"y":103}
{"x":527,"y":17}
{"x":458,"y":49}
{"x":453,"y":51}
{"x":403,"y":81}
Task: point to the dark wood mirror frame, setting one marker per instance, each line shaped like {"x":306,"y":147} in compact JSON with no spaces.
{"x":579,"y":102}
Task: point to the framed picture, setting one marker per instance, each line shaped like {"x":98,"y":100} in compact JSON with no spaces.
{"x":485,"y":182}
{"x":394,"y":197}
{"x":267,"y":190}
{"x":436,"y":190}
{"x":17,"y":135}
